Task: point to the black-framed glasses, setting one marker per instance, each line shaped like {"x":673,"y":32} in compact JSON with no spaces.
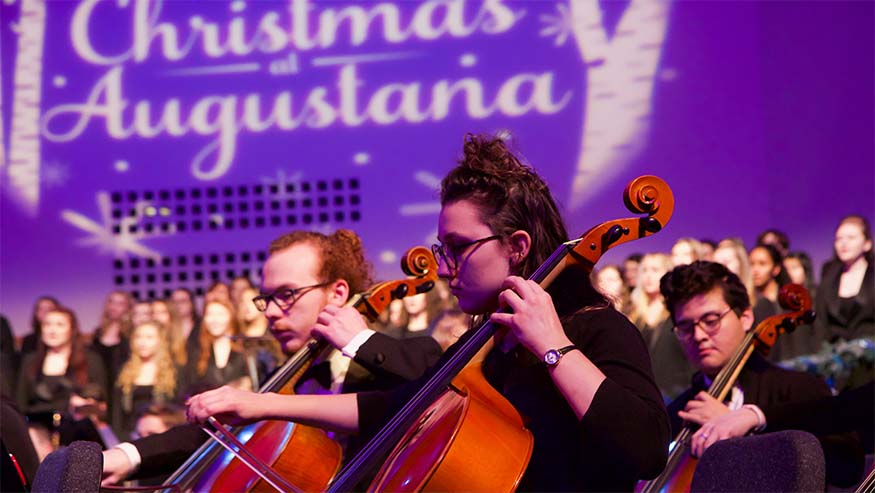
{"x":284,"y":297}
{"x":450,"y":253}
{"x":710,"y":323}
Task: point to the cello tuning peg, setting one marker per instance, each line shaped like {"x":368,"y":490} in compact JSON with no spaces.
{"x":400,"y":292}
{"x":651,"y":224}
{"x":613,"y":234}
{"x":424,"y":287}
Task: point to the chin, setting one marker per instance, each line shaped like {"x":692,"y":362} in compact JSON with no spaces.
{"x":475,"y":307}
{"x":292,"y":346}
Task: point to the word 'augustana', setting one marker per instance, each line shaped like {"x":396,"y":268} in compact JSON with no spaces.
{"x":348,"y":103}
{"x":299,"y":27}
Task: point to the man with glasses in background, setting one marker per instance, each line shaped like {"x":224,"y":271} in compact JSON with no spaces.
{"x":711,"y":311}
{"x":307,"y":277}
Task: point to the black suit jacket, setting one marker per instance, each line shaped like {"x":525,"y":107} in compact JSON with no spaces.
{"x":770,"y":387}
{"x":830,"y":324}
{"x":390,"y":360}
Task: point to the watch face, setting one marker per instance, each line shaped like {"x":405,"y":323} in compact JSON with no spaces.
{"x":551,"y":357}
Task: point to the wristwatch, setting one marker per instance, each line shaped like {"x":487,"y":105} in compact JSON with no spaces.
{"x":552,"y":356}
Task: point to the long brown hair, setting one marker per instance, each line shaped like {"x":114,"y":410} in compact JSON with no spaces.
{"x":205,"y":339}
{"x":35,"y":323}
{"x":512,"y":197}
{"x":78,"y":363}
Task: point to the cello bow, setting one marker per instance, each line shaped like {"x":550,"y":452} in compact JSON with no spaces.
{"x":199,"y":472}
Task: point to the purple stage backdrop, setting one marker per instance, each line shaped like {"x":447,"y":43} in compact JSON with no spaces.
{"x":148,"y":145}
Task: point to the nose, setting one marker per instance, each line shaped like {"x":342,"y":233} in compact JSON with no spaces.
{"x":699,"y":334}
{"x":272,"y":312}
{"x":444,"y":271}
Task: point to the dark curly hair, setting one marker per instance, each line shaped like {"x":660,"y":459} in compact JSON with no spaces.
{"x":511,"y":197}
{"x":685,"y":282}
{"x":343,"y":256}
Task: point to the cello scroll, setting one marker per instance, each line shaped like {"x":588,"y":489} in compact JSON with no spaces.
{"x":793,"y":297}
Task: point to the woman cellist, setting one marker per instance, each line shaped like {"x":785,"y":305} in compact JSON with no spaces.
{"x":574,"y":367}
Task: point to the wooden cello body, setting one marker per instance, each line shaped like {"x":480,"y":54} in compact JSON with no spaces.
{"x":304,"y":457}
{"x":678,"y":473}
{"x":455,"y":428}
{"x":457,"y":432}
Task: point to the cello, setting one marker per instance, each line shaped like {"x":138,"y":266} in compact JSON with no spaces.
{"x":456,"y":410}
{"x":678,"y":472}
{"x":297,"y":457}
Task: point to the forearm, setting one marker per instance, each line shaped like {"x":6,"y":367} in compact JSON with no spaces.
{"x":578,"y":380}
{"x":333,"y":412}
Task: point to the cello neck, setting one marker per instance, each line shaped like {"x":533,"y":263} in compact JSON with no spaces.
{"x":370,"y":457}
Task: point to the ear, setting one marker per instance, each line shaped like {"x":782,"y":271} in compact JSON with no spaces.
{"x":776,"y":270}
{"x":747,"y":319}
{"x":519,"y":244}
{"x":867,"y":247}
{"x":338,"y":292}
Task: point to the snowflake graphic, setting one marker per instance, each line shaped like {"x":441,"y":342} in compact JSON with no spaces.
{"x":282,"y":182}
{"x":560,"y":26}
{"x":105,"y":239}
{"x":55,"y":174}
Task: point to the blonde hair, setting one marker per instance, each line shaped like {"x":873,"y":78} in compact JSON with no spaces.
{"x":740,"y":252}
{"x":175,"y":338}
{"x":164,"y":388}
{"x":696,"y":248}
{"x":638,"y":299}
{"x":124,"y":322}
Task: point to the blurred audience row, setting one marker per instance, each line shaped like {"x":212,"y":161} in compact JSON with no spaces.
{"x":131,"y":374}
{"x":844,"y":299}
{"x":148,"y":356}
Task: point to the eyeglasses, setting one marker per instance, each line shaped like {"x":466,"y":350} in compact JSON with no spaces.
{"x":449,"y":253}
{"x":710,"y":323}
{"x":284,"y":297}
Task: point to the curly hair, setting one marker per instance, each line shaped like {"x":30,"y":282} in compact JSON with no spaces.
{"x":342,"y":254}
{"x":164,"y":388}
{"x":511,"y":197}
{"x":685,"y":282}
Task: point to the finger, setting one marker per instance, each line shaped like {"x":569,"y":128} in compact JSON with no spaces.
{"x":698,"y":440}
{"x":519,"y":286}
{"x":505,"y":319}
{"x":694,"y":405}
{"x":510,"y":282}
{"x":711,"y":440}
{"x":692,"y":417}
{"x":512,"y":299}
{"x":324,"y":318}
{"x":694,"y":446}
